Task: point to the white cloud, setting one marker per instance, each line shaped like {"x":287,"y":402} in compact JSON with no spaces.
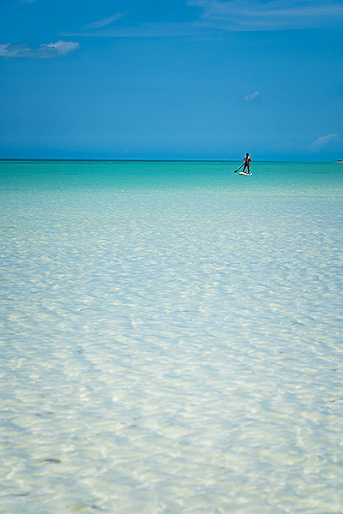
{"x":42,"y":52}
{"x":324,"y":140}
{"x":104,"y":22}
{"x":252,"y":96}
{"x":270,"y":14}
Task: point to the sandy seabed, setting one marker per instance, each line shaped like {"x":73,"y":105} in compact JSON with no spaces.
{"x":171,"y":350}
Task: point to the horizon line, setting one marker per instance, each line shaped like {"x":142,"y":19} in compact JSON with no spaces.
{"x":3,"y":160}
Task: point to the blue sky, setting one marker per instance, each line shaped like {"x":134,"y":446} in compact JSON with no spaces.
{"x":171,"y":79}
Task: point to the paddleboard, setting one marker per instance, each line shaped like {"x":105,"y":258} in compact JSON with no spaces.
{"x":244,"y":173}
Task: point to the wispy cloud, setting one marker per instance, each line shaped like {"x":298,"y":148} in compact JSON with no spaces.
{"x":104,"y":22}
{"x":252,"y":96}
{"x":145,"y":30}
{"x":23,"y":50}
{"x":270,"y":15}
{"x":214,"y":16}
{"x":324,"y":140}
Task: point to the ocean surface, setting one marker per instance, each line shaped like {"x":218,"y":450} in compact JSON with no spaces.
{"x":171,"y":338}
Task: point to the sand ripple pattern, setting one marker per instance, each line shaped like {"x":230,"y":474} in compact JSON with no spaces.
{"x":171,"y":350}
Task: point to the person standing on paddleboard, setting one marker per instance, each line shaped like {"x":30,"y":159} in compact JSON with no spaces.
{"x":247,"y":161}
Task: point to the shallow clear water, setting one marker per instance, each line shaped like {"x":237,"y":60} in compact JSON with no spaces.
{"x":171,"y":338}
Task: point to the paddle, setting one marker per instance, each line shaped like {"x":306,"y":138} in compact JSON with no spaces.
{"x":239,"y":168}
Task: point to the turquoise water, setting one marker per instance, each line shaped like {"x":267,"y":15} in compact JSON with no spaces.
{"x":171,"y":337}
